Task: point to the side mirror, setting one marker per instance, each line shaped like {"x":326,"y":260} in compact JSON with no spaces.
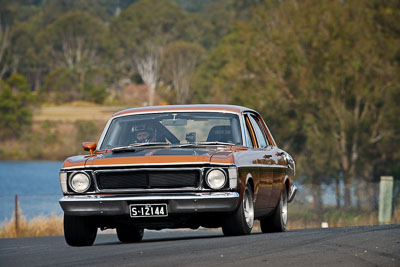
{"x":89,"y":146}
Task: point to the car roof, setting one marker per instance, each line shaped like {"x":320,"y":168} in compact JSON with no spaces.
{"x":197,"y":107}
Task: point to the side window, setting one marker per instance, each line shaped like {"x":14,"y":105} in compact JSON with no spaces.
{"x":249,"y":140}
{"x":259,"y":133}
{"x":261,"y":124}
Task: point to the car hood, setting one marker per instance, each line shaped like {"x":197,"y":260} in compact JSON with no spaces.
{"x":155,"y":156}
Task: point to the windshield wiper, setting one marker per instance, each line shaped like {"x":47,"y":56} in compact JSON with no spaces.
{"x":133,"y":147}
{"x":206,"y":144}
{"x":216,"y":143}
{"x":149,"y":144}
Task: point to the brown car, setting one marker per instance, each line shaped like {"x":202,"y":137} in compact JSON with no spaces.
{"x":177,"y":167}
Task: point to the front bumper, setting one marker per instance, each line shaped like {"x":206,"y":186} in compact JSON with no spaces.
{"x":189,"y":203}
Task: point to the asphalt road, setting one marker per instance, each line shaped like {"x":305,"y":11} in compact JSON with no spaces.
{"x":352,"y":246}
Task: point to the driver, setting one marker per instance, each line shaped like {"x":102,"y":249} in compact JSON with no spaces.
{"x":143,"y":132}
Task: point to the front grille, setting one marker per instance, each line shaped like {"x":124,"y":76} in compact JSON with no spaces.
{"x":147,"y":179}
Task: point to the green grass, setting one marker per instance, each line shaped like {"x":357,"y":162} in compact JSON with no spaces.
{"x":303,"y":216}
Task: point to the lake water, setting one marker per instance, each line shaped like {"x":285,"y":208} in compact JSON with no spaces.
{"x":37,"y":185}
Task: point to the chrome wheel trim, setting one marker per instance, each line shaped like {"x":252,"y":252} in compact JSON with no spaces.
{"x":248,"y":208}
{"x":284,"y":211}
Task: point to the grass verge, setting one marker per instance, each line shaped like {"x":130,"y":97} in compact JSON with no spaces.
{"x":38,"y":226}
{"x":73,"y":113}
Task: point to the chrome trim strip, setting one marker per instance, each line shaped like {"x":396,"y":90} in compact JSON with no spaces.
{"x":215,"y":195}
{"x":242,"y":128}
{"x":151,"y":190}
{"x":103,"y":134}
{"x":150,"y":169}
{"x":178,"y":110}
{"x":151,"y":164}
{"x":264,"y":166}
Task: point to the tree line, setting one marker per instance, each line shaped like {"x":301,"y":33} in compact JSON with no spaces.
{"x":81,"y":50}
{"x":324,"y":74}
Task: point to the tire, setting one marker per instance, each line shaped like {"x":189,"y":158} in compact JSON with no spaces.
{"x":79,"y":231}
{"x":130,"y":234}
{"x":241,"y":221}
{"x":278,"y":220}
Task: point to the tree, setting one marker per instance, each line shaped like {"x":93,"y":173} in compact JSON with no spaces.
{"x":142,"y":30}
{"x":4,"y":45}
{"x":193,"y":5}
{"x":52,"y":10}
{"x":73,"y":46}
{"x":75,"y":41}
{"x":61,"y":85}
{"x":221,"y":15}
{"x":148,"y":66}
{"x":15,"y":107}
{"x":180,"y":60}
{"x":27,"y":54}
{"x":322,"y":70}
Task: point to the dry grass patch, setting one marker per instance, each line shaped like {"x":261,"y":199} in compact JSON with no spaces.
{"x":38,"y":226}
{"x":74,"y":113}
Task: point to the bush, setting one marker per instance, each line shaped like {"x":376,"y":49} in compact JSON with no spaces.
{"x":86,"y":131}
{"x":96,"y":94}
{"x":61,"y":85}
{"x":16,"y":102}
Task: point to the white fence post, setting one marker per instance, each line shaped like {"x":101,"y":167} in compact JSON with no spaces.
{"x":385,"y":199}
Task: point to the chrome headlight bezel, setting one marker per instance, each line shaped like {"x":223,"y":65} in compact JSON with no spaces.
{"x":216,"y":171}
{"x":84,"y":176}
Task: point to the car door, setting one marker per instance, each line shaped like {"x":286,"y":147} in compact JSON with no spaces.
{"x":278,"y":164}
{"x":265,"y":163}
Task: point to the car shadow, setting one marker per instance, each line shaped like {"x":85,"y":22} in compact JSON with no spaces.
{"x":171,"y":237}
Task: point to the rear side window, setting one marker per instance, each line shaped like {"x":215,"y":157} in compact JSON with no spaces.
{"x":260,"y":134}
{"x":249,"y":141}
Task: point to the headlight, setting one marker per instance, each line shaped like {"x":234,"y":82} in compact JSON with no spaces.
{"x":216,"y":179}
{"x":79,"y":182}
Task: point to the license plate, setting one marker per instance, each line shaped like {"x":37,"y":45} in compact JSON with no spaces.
{"x":148,"y":210}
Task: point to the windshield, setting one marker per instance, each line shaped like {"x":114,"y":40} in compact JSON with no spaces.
{"x":173,"y":128}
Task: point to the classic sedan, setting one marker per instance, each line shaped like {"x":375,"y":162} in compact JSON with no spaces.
{"x":177,"y":167}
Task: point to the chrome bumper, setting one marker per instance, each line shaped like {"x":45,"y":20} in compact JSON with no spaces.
{"x":177,"y":203}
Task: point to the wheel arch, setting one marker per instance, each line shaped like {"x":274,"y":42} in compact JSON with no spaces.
{"x":250,"y":181}
{"x":286,"y":183}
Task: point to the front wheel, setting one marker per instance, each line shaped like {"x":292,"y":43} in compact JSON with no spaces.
{"x":278,"y":220}
{"x":79,"y":230}
{"x":241,"y":221}
{"x":130,"y":234}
